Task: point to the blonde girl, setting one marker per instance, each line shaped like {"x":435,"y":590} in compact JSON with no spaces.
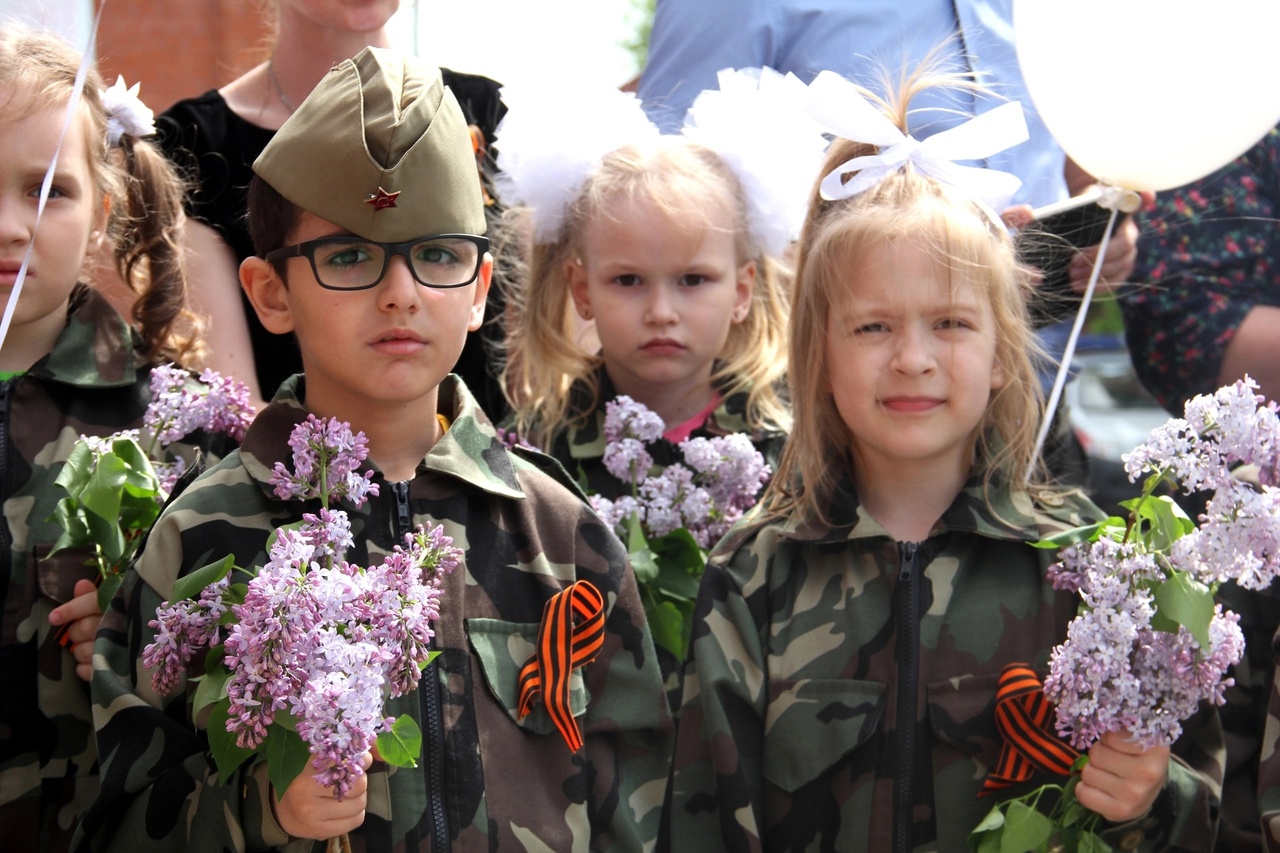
{"x":849,"y":638}
{"x":69,"y":365}
{"x":656,"y":276}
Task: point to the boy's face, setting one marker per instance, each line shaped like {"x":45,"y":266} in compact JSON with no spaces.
{"x":387,"y":347}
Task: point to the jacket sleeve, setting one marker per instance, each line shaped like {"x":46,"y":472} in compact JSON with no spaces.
{"x":160,"y":786}
{"x":715,"y":795}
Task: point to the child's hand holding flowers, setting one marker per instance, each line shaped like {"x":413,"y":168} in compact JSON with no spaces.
{"x":302,"y":656}
{"x":116,"y":485}
{"x":1150,"y":643}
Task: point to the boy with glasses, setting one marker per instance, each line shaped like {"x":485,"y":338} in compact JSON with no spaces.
{"x":367,"y":221}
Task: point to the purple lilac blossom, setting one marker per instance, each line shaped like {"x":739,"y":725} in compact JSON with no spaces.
{"x":625,"y":418}
{"x":1115,"y":672}
{"x":315,"y":636}
{"x":720,"y":479}
{"x":174,"y":410}
{"x":226,"y":405}
{"x":182,"y":629}
{"x":326,"y":456}
{"x":177,"y":409}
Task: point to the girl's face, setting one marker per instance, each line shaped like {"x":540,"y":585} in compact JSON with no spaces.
{"x":70,"y":228}
{"x":911,"y":360}
{"x":663,"y":298}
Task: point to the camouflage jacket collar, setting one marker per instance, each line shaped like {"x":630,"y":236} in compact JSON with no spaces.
{"x":469,"y":450}
{"x":587,"y":441}
{"x":95,"y":349}
{"x":996,"y":512}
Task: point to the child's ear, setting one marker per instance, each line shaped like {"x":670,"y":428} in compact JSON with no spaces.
{"x":576,"y":276}
{"x":479,"y":298}
{"x":98,"y":234}
{"x":267,"y":293}
{"x":998,"y":376}
{"x":746,"y":289}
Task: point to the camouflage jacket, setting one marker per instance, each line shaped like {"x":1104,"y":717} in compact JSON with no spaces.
{"x":1266,"y":740}
{"x":817,"y":717}
{"x":487,"y":780}
{"x":90,"y":383}
{"x":581,"y":450}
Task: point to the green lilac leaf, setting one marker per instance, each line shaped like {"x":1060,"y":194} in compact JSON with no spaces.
{"x":226,"y":753}
{"x":1187,"y":602}
{"x":401,"y":746}
{"x":1087,"y":533}
{"x":190,"y":586}
{"x":287,"y":756}
{"x":1024,"y":829}
{"x":211,"y":688}
{"x":107,"y":586}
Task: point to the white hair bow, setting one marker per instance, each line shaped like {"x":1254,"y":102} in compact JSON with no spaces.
{"x":126,"y":113}
{"x":553,"y":136}
{"x":842,"y":109}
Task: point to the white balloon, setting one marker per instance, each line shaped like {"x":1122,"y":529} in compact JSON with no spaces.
{"x":1151,"y":94}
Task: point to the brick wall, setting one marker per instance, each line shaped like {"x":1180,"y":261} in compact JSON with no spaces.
{"x":180,"y":48}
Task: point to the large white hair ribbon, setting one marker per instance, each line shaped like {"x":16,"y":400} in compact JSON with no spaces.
{"x":550,"y":140}
{"x":754,"y":122}
{"x":842,"y":109}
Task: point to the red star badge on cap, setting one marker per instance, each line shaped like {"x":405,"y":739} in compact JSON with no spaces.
{"x":382,"y":199}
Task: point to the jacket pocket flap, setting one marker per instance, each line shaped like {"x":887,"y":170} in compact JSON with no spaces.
{"x":814,"y":723}
{"x":503,"y":648}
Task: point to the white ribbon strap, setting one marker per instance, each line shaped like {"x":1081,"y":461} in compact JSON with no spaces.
{"x":843,"y":110}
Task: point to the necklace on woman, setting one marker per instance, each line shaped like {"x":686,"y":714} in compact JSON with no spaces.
{"x":275,"y":84}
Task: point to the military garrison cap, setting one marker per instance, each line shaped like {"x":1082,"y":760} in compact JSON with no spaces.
{"x":381,"y":148}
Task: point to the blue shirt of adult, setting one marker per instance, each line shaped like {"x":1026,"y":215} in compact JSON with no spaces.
{"x":862,"y":40}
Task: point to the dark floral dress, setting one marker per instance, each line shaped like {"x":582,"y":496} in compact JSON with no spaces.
{"x":1207,"y":254}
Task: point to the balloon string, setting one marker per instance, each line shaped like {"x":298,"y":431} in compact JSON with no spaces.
{"x":1064,"y":368}
{"x":86,"y":59}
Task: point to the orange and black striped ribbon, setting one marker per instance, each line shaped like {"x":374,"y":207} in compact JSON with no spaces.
{"x":1023,"y":717}
{"x":571,"y":635}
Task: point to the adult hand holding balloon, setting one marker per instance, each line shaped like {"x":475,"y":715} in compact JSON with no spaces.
{"x":1151,"y":94}
{"x":1146,"y":95}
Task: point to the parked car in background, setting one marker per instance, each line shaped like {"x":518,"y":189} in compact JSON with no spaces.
{"x":1111,"y":414}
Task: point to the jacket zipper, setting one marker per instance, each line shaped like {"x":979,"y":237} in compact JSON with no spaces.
{"x":908,"y":606}
{"x":429,"y":703}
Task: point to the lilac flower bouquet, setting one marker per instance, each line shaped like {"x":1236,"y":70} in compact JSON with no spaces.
{"x":116,"y":485}
{"x":672,"y":518}
{"x":300,"y":657}
{"x":1150,"y":643}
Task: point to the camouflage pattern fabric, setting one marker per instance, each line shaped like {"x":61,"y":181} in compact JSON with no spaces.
{"x":90,"y":383}
{"x":487,"y":780}
{"x":581,"y":450}
{"x":1244,"y":721}
{"x":804,"y":726}
{"x":1268,"y":746}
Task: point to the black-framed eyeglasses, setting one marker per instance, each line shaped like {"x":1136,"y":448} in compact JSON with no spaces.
{"x":346,"y":262}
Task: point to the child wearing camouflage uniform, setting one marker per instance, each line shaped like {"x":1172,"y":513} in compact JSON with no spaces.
{"x":69,"y":366}
{"x":849,"y":636}
{"x":377,"y":163}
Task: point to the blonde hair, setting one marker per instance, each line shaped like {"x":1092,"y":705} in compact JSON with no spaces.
{"x":687,"y":183}
{"x":38,"y":69}
{"x":963,"y":237}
